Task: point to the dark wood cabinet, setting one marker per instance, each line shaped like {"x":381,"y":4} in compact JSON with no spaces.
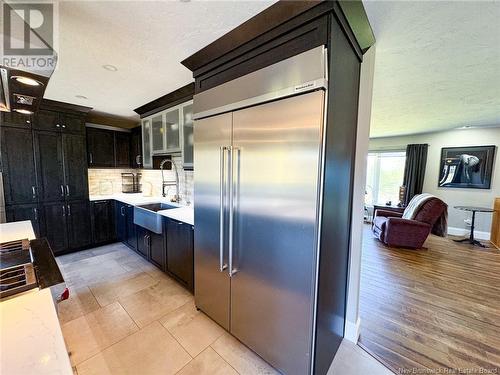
{"x":18,"y":166}
{"x":44,"y":165}
{"x":100,"y":148}
{"x":151,"y":246}
{"x":121,"y":221}
{"x":52,"y":120}
{"x":54,"y":225}
{"x":72,"y":123}
{"x":125,"y":227}
{"x":102,"y":219}
{"x":108,"y":148}
{"x":131,"y":237}
{"x":62,"y":167}
{"x":75,"y":167}
{"x":25,"y":212}
{"x":136,"y":147}
{"x":48,"y":148}
{"x":157,"y":250}
{"x":142,"y":241}
{"x":15,"y":119}
{"x":67,"y":226}
{"x":62,"y":178}
{"x":46,"y":120}
{"x":122,"y":149}
{"x":78,"y":224}
{"x":179,"y":243}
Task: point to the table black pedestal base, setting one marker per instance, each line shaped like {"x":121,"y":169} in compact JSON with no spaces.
{"x":471,"y":241}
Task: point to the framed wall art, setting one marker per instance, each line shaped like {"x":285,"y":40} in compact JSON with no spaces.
{"x":466,"y":167}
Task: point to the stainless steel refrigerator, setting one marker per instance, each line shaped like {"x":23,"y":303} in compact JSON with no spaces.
{"x":258,"y":174}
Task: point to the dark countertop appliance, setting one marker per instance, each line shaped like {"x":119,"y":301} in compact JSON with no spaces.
{"x":25,"y":265}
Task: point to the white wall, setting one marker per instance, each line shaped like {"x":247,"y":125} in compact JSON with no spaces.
{"x":453,"y":196}
{"x":364,"y":114}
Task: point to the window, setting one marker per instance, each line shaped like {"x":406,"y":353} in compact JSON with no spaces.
{"x":384,"y":177}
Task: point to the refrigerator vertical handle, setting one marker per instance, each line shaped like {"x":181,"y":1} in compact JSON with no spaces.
{"x":232,"y":150}
{"x":222,"y":190}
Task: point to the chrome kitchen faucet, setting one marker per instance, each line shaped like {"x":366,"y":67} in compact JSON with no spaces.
{"x":164,"y":183}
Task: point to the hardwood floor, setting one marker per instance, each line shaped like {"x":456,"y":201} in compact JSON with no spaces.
{"x":433,"y":311}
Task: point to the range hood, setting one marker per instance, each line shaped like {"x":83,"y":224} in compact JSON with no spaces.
{"x":23,"y":84}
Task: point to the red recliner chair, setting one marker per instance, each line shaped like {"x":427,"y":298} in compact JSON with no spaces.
{"x":390,"y":228}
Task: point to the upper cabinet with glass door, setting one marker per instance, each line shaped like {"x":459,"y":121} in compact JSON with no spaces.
{"x":158,"y":133}
{"x":146,"y":143}
{"x":187,"y":135}
{"x":169,"y":132}
{"x":172,"y":129}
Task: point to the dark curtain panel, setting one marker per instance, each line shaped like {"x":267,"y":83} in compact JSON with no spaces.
{"x":416,"y":159}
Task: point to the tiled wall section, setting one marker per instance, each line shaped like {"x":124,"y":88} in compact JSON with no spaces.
{"x":109,"y":181}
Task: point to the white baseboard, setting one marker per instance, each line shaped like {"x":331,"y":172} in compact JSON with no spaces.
{"x":465,"y":232}
{"x":352,"y":330}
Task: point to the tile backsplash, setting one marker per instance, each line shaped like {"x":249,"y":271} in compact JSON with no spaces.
{"x":109,"y":181}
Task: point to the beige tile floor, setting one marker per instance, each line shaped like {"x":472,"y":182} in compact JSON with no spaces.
{"x":125,"y":316}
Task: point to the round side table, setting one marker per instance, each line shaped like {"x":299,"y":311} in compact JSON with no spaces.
{"x":472,"y":209}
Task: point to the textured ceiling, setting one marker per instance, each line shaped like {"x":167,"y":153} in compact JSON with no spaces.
{"x":145,"y":40}
{"x":437,"y":65}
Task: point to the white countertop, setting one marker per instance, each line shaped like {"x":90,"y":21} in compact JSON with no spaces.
{"x":31,"y":341}
{"x":183,"y":213}
{"x":16,"y":230}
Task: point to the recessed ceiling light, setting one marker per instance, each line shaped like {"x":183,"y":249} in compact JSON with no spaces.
{"x":26,"y":80}
{"x":23,"y":111}
{"x":81,"y":97}
{"x":110,"y":67}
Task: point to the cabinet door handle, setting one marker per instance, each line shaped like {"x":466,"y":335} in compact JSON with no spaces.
{"x":67,"y":190}
{"x":58,"y":126}
{"x":64,"y":210}
{"x":63,"y":126}
{"x":35,"y":213}
{"x":138,"y":160}
{"x":33,"y":190}
{"x":91,"y":158}
{"x":122,"y":210}
{"x":69,"y":210}
{"x":62,"y":191}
